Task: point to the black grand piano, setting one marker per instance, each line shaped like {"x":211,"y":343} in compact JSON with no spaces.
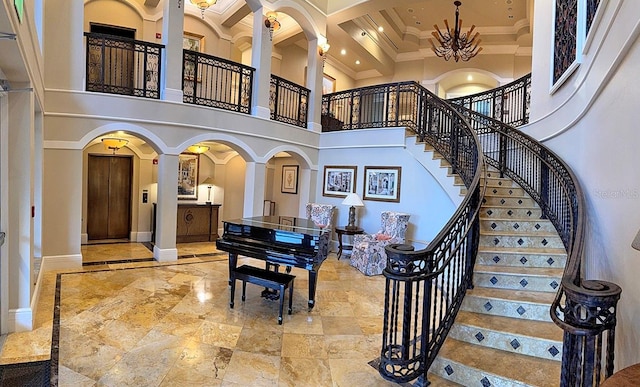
{"x":278,"y":241}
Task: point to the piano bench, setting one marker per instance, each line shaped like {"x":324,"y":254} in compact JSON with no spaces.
{"x":262,"y":277}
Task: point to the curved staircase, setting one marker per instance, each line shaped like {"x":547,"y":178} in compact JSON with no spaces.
{"x":503,"y":334}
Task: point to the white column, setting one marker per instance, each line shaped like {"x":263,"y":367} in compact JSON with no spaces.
{"x":61,"y":207}
{"x":166,"y":209}
{"x":172,"y":30}
{"x":314,"y":83}
{"x":64,"y":47}
{"x":255,"y":179}
{"x":261,"y":61}
{"x":20,"y":232}
{"x":305,"y":195}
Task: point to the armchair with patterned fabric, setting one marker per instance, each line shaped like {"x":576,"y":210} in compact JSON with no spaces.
{"x":368,"y":253}
{"x":321,"y":214}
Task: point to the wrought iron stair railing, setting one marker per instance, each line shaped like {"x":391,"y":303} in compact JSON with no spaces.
{"x":584,"y":309}
{"x":419,"y":283}
{"x":424,"y":288}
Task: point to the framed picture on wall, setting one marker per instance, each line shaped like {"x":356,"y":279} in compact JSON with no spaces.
{"x":188,"y":165}
{"x":289,"y":179}
{"x":328,"y":84}
{"x":339,"y":180}
{"x":382,"y":184}
{"x":192,"y":42}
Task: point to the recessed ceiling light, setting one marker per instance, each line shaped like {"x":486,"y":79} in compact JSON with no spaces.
{"x":343,"y":52}
{"x":358,"y":62}
{"x":469,"y":78}
{"x":380,"y":29}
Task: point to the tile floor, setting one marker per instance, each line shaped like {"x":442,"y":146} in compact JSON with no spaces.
{"x":142,"y":323}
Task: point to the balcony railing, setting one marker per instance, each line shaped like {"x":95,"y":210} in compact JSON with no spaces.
{"x":288,"y":102}
{"x":508,"y":104}
{"x":215,"y":82}
{"x":123,"y":66}
{"x":388,"y":105}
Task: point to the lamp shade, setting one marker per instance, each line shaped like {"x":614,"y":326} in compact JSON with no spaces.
{"x":208,"y":181}
{"x":353,"y":200}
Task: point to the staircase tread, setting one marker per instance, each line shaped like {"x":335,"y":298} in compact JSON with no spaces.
{"x":530,"y":328}
{"x":523,"y":220}
{"x":520,"y":270}
{"x":506,"y":196}
{"x":486,"y":206}
{"x":520,"y":233}
{"x":523,"y":250}
{"x":513,"y":295}
{"x":526,"y":369}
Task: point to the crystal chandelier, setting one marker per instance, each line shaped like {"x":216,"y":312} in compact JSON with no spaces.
{"x":453,"y":44}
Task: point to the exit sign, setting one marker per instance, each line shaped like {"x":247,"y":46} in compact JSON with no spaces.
{"x":19,"y":4}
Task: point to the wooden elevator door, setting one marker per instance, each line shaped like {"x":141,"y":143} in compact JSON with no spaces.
{"x":109,"y":197}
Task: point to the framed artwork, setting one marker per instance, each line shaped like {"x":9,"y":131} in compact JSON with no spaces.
{"x":568,"y":39}
{"x":328,"y":84}
{"x":188,"y":164}
{"x":192,"y":42}
{"x":339,"y":180}
{"x":289,"y":179}
{"x":287,"y":222}
{"x":382,"y":184}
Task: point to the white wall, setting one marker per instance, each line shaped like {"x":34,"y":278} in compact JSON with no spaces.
{"x":591,"y":122}
{"x":420,"y":194}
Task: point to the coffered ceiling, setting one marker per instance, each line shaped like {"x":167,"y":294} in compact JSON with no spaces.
{"x":380,"y":33}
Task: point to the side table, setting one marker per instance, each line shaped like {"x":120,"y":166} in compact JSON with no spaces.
{"x":346,"y":231}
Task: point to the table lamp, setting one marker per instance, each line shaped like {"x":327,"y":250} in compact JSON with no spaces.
{"x":209,"y":182}
{"x":354,"y":201}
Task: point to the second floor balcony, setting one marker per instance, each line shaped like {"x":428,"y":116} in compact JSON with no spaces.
{"x":118,"y":65}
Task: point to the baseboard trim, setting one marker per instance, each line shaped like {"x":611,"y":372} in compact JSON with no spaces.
{"x":61,"y":262}
{"x":20,"y":320}
{"x":36,"y":291}
{"x":165,"y":255}
{"x":140,"y":236}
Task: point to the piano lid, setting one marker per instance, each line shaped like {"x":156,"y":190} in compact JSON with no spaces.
{"x":282,"y":223}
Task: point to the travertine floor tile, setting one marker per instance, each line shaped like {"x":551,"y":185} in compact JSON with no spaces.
{"x":170,"y":324}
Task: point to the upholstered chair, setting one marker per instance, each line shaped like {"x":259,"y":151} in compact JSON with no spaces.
{"x":321,"y":214}
{"x":368,"y":253}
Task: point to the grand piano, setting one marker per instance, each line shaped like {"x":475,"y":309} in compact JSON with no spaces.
{"x":278,"y":241}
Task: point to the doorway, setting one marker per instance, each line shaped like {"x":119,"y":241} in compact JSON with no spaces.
{"x":109,"y":197}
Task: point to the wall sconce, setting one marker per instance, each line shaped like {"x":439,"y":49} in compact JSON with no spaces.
{"x":203,"y":4}
{"x":198,"y":148}
{"x":209,"y":182}
{"x":322,"y":50}
{"x":114,"y":143}
{"x":272,"y":23}
{"x":354,"y":201}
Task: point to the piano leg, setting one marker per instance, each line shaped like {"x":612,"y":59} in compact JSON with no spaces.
{"x":313,"y":277}
{"x":233,"y":262}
